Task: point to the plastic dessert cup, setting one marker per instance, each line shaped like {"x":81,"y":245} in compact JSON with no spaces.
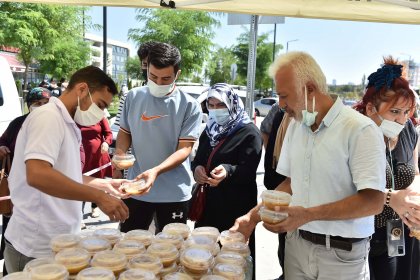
{"x":272,"y":217}
{"x":113,"y":235}
{"x":166,"y":252}
{"x":147,"y":262}
{"x":95,"y":273}
{"x":137,"y":274}
{"x":230,"y":258}
{"x":123,"y":161}
{"x":211,"y":232}
{"x":230,"y":271}
{"x":17,"y":276}
{"x":177,"y":276}
{"x":63,"y":241}
{"x":177,"y":229}
{"x":130,"y":248}
{"x":237,"y":247}
{"x":174,"y":239}
{"x":272,"y":198}
{"x":37,"y":262}
{"x":143,"y":236}
{"x":94,"y":244}
{"x":74,"y":259}
{"x":114,"y":261}
{"x":134,"y":187}
{"x":203,"y":242}
{"x":229,"y":236}
{"x":196,"y":260}
{"x":49,"y":272}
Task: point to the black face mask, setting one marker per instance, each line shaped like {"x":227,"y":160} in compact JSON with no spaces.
{"x":144,"y":74}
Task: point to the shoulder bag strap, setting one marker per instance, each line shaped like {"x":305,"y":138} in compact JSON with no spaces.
{"x":212,"y":154}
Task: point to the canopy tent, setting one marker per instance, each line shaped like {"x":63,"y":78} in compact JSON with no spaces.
{"x":392,"y":11}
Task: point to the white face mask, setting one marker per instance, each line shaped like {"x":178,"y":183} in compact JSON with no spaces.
{"x":390,"y":129}
{"x":308,"y":118}
{"x":221,"y":116}
{"x":160,"y":91}
{"x":91,"y":116}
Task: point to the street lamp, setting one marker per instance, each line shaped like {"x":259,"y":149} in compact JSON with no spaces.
{"x":287,"y":44}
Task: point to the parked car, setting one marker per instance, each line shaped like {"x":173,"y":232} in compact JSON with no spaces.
{"x":263,"y":106}
{"x":193,"y":89}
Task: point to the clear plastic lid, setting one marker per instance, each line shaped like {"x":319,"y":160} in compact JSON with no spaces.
{"x":197,"y":260}
{"x":174,"y":239}
{"x":177,"y":228}
{"x":23,"y":275}
{"x":170,"y":269}
{"x":74,"y":259}
{"x":167,"y":252}
{"x":129,"y":247}
{"x":95,"y":244}
{"x":63,"y":241}
{"x":227,"y":236}
{"x":111,"y":260}
{"x":202,"y":241}
{"x":49,"y":272}
{"x":230,"y":257}
{"x":134,"y":187}
{"x":137,"y":274}
{"x":272,"y":198}
{"x":177,"y":276}
{"x":272,"y":217}
{"x":213,"y":277}
{"x":113,"y":235}
{"x":146,"y":261}
{"x":95,"y":273}
{"x":230,"y":271}
{"x":212,"y":232}
{"x":123,"y":161}
{"x":237,"y":247}
{"x":144,"y":236}
{"x":37,"y":262}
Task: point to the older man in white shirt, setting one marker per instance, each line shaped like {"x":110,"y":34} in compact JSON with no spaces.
{"x":334,"y":161}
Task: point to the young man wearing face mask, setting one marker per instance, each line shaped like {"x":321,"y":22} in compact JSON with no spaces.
{"x":161,"y":124}
{"x":142,"y":53}
{"x":46,"y":183}
{"x":334,"y":162}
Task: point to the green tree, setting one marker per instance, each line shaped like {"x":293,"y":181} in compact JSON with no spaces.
{"x":133,"y":68}
{"x":264,"y":59}
{"x":189,"y":31}
{"x":41,"y":32}
{"x":219,"y":66}
{"x":68,"y":57}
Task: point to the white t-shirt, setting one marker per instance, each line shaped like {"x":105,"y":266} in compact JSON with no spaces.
{"x":345,"y":155}
{"x":49,"y":134}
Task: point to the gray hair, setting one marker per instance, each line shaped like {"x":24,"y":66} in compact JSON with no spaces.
{"x":305,"y":68}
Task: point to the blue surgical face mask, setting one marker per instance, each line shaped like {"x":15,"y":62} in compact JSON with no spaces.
{"x":308,"y":118}
{"x":221,"y":116}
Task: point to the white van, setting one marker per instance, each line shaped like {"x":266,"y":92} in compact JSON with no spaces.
{"x":10,"y":107}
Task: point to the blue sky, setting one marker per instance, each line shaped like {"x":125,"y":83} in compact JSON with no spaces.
{"x":345,"y":50}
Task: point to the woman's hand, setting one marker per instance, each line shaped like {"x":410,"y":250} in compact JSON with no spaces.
{"x":218,"y":174}
{"x":403,"y":202}
{"x":104,"y":147}
{"x":200,"y":175}
{"x":4,"y":151}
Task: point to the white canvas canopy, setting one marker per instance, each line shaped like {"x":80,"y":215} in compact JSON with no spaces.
{"x":393,"y":11}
